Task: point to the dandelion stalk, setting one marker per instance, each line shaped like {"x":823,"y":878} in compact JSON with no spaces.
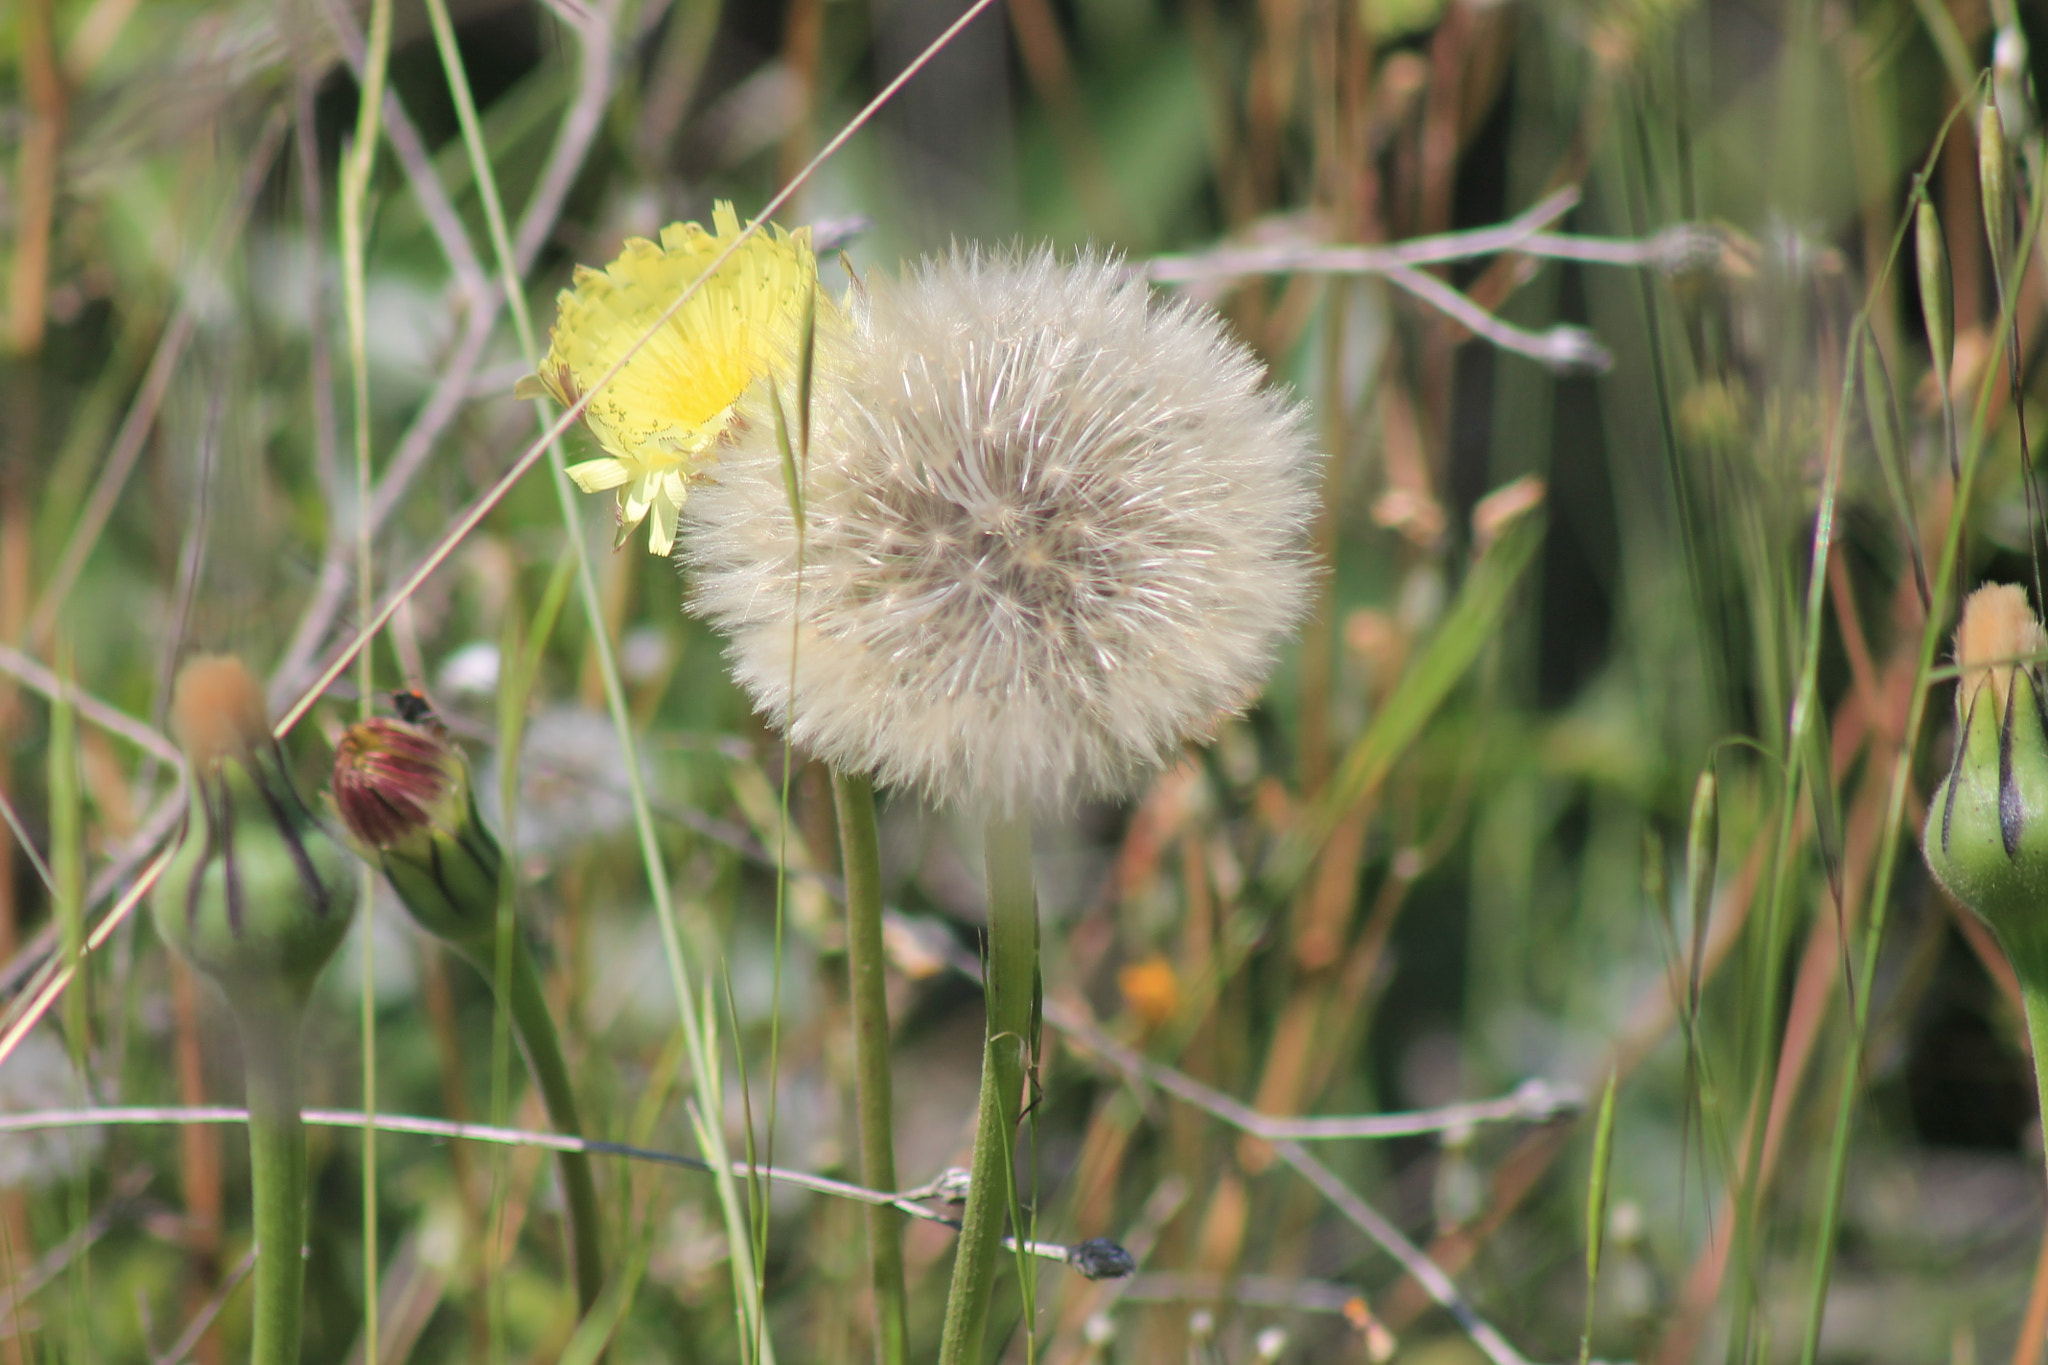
{"x":1048,"y":530}
{"x":1011,"y":978}
{"x":535,"y":1024}
{"x":2029,"y":957}
{"x":256,"y":900}
{"x":277,"y":1180}
{"x":860,"y":852}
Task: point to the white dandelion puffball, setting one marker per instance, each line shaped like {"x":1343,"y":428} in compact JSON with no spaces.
{"x":1053,"y":528}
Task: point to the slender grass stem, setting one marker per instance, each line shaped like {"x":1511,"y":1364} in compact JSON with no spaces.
{"x":854,"y":796}
{"x":277,"y":1180}
{"x":757,"y":1347}
{"x":1012,"y":988}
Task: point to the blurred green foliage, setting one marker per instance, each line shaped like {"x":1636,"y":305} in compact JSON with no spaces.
{"x":1507,"y":898}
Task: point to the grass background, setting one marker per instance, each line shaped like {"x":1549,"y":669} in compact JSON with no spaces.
{"x":1504,"y":761}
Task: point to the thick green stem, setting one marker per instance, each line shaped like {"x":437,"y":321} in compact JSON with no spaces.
{"x":860,"y":855}
{"x":1011,"y":987}
{"x":2035,"y":1001}
{"x":277,"y":1181}
{"x":535,"y":1025}
{"x":2029,"y":959}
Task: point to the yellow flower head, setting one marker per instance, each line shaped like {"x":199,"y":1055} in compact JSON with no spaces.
{"x":658,"y":417}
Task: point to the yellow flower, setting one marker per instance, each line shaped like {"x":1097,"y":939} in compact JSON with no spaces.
{"x":658,"y":417}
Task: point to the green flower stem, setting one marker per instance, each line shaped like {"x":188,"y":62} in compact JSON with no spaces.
{"x":860,"y":854}
{"x":1011,"y":987}
{"x":2028,"y":954}
{"x":2034,"y":999}
{"x":535,"y":1025}
{"x":277,"y":1180}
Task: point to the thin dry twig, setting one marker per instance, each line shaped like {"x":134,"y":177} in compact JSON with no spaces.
{"x":1563,"y":348}
{"x":37,"y":678}
{"x":58,"y":1257}
{"x":950,"y":1186}
{"x":1412,"y":1259}
{"x":1231,"y":262}
{"x":59,"y":974}
{"x":453,"y":390}
{"x":188,"y":1340}
{"x":1681,"y":247}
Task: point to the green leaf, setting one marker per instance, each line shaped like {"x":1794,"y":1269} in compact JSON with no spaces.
{"x":1473,"y":621}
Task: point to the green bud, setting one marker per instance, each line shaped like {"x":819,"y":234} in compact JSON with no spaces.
{"x":1987,"y":826}
{"x":403,"y":792}
{"x":256,"y":896}
{"x":1936,"y":307}
{"x":1995,"y":185}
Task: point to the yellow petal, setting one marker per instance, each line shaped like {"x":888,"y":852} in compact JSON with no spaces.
{"x":661,"y":527}
{"x":674,"y":397}
{"x":634,"y":500}
{"x":594,"y":476}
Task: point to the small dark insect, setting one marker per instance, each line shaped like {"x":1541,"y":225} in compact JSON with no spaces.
{"x":1098,"y":1258}
{"x":412,"y":706}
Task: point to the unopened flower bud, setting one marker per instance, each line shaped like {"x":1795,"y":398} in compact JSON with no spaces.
{"x":403,"y":792}
{"x":1937,"y":308}
{"x":1987,"y":824}
{"x":256,"y":895}
{"x":1994,"y":185}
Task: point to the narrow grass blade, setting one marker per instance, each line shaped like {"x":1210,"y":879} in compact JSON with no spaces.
{"x":594,"y":1333}
{"x":1474,"y":620}
{"x":792,"y":485}
{"x":806,"y":365}
{"x":1596,"y":1209}
{"x":1702,"y":856}
{"x":1881,"y":413}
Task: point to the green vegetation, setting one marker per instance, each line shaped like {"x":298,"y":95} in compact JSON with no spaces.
{"x":1675,"y":365}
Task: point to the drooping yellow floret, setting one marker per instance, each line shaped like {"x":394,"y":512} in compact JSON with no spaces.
{"x":659,"y":416}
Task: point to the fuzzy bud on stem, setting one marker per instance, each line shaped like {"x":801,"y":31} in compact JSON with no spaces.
{"x":1987,"y":826}
{"x":1987,"y":823}
{"x":256,"y":897}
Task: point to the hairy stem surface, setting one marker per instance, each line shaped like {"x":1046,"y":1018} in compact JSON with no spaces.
{"x":277,"y":1183}
{"x":860,"y":855}
{"x":535,"y":1025}
{"x":1012,"y":985}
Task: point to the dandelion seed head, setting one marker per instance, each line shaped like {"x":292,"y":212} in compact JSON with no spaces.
{"x":1053,"y":528}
